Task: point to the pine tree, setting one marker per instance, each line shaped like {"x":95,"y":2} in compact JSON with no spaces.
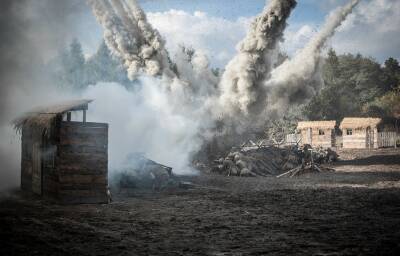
{"x":73,"y":65}
{"x":103,"y":67}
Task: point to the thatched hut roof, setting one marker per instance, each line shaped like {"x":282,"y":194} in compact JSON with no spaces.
{"x":42,"y":118}
{"x":316,"y":124}
{"x":359,"y":122}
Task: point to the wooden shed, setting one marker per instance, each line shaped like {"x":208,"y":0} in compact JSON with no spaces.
{"x":359,"y":132}
{"x":317,"y":133}
{"x":63,"y":159}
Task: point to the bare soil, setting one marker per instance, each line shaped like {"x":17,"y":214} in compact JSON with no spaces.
{"x":354,"y":211}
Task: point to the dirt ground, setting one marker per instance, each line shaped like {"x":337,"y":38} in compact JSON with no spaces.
{"x":354,"y":211}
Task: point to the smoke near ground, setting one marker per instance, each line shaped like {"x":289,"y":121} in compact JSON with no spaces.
{"x":178,"y":99}
{"x":251,"y":88}
{"x":144,"y":120}
{"x":31,"y":33}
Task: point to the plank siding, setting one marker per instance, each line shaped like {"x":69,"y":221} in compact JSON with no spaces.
{"x":357,"y":140}
{"x":327,"y":140}
{"x":82,"y":161}
{"x":26,"y":160}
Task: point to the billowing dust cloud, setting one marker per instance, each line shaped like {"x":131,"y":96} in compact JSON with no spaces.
{"x":298,"y":79}
{"x":178,"y":101}
{"x":129,"y":36}
{"x":251,"y":87}
{"x":241,"y":87}
{"x":31,"y":33}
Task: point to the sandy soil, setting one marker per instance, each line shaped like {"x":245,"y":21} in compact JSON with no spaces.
{"x":354,"y":211}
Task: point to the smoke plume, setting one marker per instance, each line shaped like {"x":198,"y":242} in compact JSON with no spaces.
{"x":31,"y":32}
{"x":241,"y":86}
{"x":145,"y":120}
{"x":130,"y":36}
{"x":298,"y":79}
{"x":178,"y":102}
{"x":250,"y":88}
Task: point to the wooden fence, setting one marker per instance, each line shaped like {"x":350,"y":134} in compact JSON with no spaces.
{"x":388,"y":139}
{"x":293,"y":139}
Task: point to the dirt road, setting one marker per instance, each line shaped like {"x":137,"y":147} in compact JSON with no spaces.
{"x":355,"y":211}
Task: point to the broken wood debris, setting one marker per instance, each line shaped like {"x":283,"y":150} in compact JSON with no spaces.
{"x":140,"y":172}
{"x":258,"y":160}
{"x":300,"y":170}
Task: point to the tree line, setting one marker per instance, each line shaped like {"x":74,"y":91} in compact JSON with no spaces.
{"x":71,"y":70}
{"x":354,"y":85}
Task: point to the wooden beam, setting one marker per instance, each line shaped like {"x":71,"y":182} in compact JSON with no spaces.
{"x":69,"y":116}
{"x":81,"y":107}
{"x":84,"y":115}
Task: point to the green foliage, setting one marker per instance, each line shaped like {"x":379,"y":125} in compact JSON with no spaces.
{"x":392,"y":73}
{"x":216,"y":71}
{"x":102,"y":67}
{"x":387,"y":105}
{"x":73,"y":63}
{"x":277,"y":129}
{"x":71,"y":70}
{"x":352,"y":82}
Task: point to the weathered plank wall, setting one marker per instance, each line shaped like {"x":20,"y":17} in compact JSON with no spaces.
{"x":50,"y":177}
{"x":357,"y":140}
{"x":82,"y":159}
{"x":26,"y":160}
{"x":326,"y":140}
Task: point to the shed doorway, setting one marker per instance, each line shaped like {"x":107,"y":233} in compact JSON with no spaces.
{"x":369,"y":138}
{"x":37,"y":175}
{"x":309,"y":136}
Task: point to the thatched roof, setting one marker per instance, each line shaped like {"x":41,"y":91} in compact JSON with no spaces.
{"x":316,"y":124}
{"x":42,"y":117}
{"x":359,"y":122}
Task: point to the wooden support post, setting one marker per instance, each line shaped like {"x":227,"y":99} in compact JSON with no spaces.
{"x":69,"y":116}
{"x":84,"y":116}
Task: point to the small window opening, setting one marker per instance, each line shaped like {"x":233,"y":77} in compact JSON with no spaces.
{"x":349,"y":132}
{"x":321,"y":132}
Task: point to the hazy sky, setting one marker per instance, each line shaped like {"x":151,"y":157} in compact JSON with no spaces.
{"x":215,"y":27}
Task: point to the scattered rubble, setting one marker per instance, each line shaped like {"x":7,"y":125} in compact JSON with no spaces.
{"x":259,"y":160}
{"x":324,"y":155}
{"x":303,"y":169}
{"x":140,"y":172}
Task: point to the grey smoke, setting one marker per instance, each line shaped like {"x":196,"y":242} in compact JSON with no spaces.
{"x":250,"y":89}
{"x":130,"y":36}
{"x":31,"y":32}
{"x":241,"y":86}
{"x":298,"y":79}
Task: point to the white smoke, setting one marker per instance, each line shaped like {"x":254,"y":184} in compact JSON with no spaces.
{"x":241,"y":85}
{"x":180,"y":101}
{"x":145,"y":120}
{"x":298,"y":79}
{"x":130,"y":36}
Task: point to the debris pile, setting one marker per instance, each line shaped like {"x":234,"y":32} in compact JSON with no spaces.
{"x":311,"y":160}
{"x":139,"y":172}
{"x":303,"y":169}
{"x":324,"y":155}
{"x":259,"y":160}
